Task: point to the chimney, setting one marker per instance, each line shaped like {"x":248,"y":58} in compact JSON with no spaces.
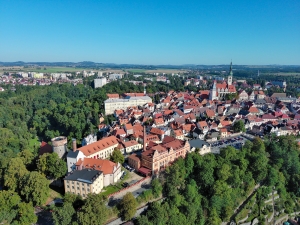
{"x":74,"y":144}
{"x":144,"y":144}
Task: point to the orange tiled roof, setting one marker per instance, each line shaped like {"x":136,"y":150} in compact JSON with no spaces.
{"x":104,"y":165}
{"x":113,"y":95}
{"x":156,"y":131}
{"x":210,"y":113}
{"x":99,"y":145}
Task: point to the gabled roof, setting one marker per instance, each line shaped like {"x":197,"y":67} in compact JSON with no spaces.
{"x":159,"y":121}
{"x":99,"y":145}
{"x":210,"y":113}
{"x":202,"y":124}
{"x":104,"y":165}
{"x":157,"y":131}
{"x":178,"y":133}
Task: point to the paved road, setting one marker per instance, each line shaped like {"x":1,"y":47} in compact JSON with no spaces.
{"x":136,"y":190}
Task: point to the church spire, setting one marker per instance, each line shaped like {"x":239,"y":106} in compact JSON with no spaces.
{"x":229,"y":81}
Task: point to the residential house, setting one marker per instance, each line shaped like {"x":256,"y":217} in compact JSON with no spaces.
{"x":202,"y":125}
{"x":203,"y":146}
{"x":197,"y":133}
{"x":128,"y":128}
{"x":178,"y":134}
{"x":242,"y":95}
{"x":223,"y":133}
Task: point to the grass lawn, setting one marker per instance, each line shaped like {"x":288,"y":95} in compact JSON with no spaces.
{"x":34,"y":143}
{"x":55,"y":192}
{"x":118,"y":186}
{"x":109,"y":190}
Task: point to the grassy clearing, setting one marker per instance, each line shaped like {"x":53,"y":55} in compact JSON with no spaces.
{"x":55,"y":192}
{"x":34,"y":142}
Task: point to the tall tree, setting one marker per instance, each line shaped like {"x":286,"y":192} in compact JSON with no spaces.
{"x":63,"y":215}
{"x":117,"y":156}
{"x":128,"y":206}
{"x":94,"y":211}
{"x":14,"y":174}
{"x":35,"y":188}
{"x":51,"y":165}
{"x":156,"y":187}
{"x":13,"y":211}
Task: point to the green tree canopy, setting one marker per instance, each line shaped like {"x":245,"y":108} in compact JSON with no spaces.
{"x":117,"y":156}
{"x":63,"y":215}
{"x":14,"y":211}
{"x":35,"y":188}
{"x":51,"y":165}
{"x":14,"y":174}
{"x":128,"y":206}
{"x":239,"y":126}
{"x":94,"y":211}
{"x":156,"y":187}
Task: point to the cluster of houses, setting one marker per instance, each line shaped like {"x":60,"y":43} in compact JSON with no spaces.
{"x":154,"y":135}
{"x":28,"y":81}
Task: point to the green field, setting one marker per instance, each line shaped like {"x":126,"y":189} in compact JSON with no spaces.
{"x":136,"y":70}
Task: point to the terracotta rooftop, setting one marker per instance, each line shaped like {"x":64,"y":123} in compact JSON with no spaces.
{"x":157,"y":131}
{"x":113,"y":95}
{"x":106,"y":166}
{"x":99,"y":145}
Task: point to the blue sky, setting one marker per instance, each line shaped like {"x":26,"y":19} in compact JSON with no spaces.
{"x":151,"y":32}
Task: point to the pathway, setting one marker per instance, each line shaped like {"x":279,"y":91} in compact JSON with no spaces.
{"x":241,"y":206}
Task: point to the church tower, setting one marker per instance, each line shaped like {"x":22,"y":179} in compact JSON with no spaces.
{"x":213,"y":92}
{"x":229,"y":82}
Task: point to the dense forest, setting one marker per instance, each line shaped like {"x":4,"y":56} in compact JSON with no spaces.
{"x":207,"y":189}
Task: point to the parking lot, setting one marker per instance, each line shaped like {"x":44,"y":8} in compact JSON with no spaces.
{"x":236,"y":142}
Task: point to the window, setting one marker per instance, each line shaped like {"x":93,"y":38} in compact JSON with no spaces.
{"x":73,"y":188}
{"x":67,"y":181}
{"x":88,"y":189}
{"x":83,"y":195}
{"x":77,"y":188}
{"x":83,"y":188}
{"x":68,"y":186}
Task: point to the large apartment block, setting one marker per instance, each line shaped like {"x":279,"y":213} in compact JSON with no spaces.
{"x":113,"y":104}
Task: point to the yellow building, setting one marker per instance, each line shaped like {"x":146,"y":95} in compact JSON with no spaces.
{"x":84,"y":182}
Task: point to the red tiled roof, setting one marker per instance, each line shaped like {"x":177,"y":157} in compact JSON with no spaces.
{"x":156,"y":131}
{"x":45,"y":148}
{"x":113,"y":95}
{"x":178,"y":132}
{"x":210,"y":113}
{"x":106,"y":166}
{"x":99,"y":145}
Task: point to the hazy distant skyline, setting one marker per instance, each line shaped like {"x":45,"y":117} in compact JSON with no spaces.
{"x":151,"y":32}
